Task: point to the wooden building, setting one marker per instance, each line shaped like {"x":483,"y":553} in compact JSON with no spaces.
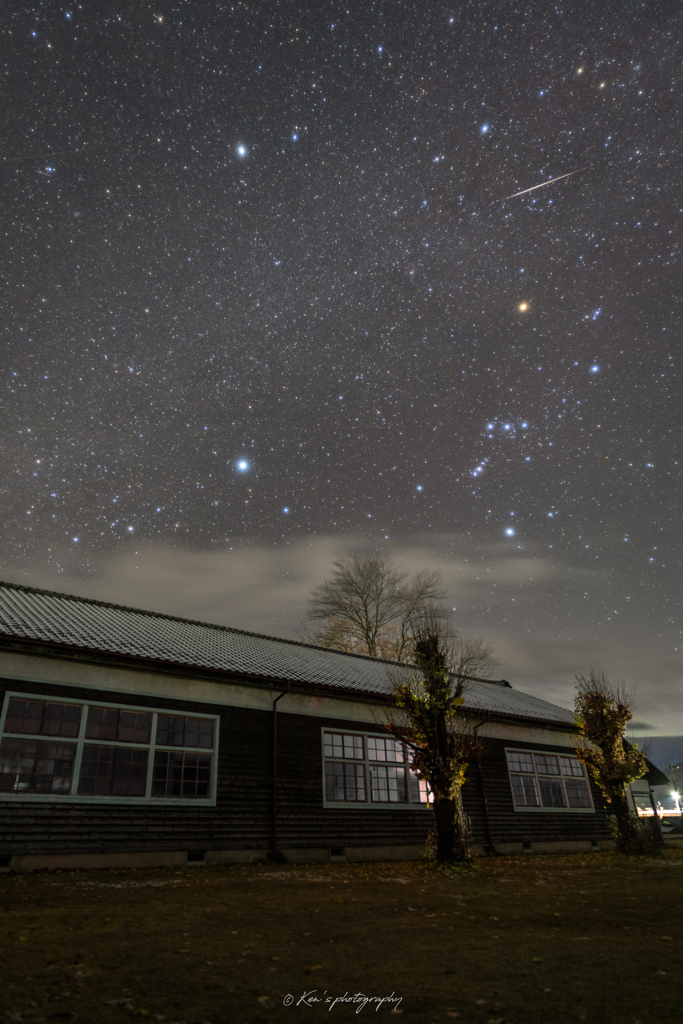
{"x":131,"y":738}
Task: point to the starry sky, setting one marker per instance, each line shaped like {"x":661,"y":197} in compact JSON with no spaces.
{"x":268,"y":293}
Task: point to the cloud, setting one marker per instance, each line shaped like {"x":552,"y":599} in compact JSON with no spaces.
{"x":524,"y":603}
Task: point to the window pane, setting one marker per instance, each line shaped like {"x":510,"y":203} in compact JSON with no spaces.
{"x":384,"y":749}
{"x":61,"y":720}
{"x":387,"y":785}
{"x":552,"y":793}
{"x":345,"y":782}
{"x":342,"y":745}
{"x":102,"y":724}
{"x":520,"y":762}
{"x":181,"y":774}
{"x":36,"y":766}
{"x":40,"y":718}
{"x":134,"y":727}
{"x":524,"y":791}
{"x":24,"y":716}
{"x":198,"y":732}
{"x":170,"y":731}
{"x":577,"y":793}
{"x":113,"y":771}
{"x":572,"y":766}
{"x":419,"y":790}
{"x":184,"y":732}
{"x":334,"y":781}
{"x":353,"y":746}
{"x":546,"y":765}
{"x":328,"y":742}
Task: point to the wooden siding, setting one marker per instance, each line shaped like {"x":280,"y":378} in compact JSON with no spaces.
{"x":242,"y":817}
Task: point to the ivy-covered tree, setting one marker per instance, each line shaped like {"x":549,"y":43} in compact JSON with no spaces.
{"x":603,"y":710}
{"x":429,"y":719}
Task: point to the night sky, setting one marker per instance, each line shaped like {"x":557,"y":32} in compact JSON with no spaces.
{"x":266,"y":298}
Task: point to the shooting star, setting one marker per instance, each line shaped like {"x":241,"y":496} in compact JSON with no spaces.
{"x":549,"y":182}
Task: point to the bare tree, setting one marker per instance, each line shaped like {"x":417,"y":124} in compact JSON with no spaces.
{"x":368,"y":606}
{"x":429,"y":719}
{"x":603,"y":710}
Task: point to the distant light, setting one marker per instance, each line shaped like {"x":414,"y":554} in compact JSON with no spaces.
{"x":379,"y":49}
{"x":506,"y":426}
{"x":241,"y":150}
{"x":419,"y":487}
{"x":294,"y":138}
{"x":242,"y":465}
{"x":285,"y":510}
{"x":484,"y":128}
{"x":525,"y":424}
{"x":130,"y":529}
{"x":510,"y":532}
{"x":523,"y":306}
{"x":594,"y":369}
{"x":75,"y":540}
{"x":489,"y":426}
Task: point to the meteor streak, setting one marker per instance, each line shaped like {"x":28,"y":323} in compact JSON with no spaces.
{"x":549,"y":182}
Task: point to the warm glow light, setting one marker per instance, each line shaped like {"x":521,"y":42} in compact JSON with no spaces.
{"x":523,"y":306}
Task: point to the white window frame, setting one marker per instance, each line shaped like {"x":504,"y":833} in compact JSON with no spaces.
{"x":369,"y":804}
{"x":80,"y":741}
{"x":540,"y":775}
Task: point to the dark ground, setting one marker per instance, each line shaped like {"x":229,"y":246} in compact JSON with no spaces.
{"x":524,"y":940}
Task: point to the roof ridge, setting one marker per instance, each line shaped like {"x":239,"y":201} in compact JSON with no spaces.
{"x":208,"y":625}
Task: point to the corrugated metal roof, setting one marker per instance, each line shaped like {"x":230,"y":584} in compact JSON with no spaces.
{"x":75,"y":622}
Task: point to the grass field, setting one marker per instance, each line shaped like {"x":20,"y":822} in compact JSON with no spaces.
{"x":525,"y":940}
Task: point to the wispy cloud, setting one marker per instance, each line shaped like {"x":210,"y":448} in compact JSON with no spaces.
{"x":527,"y":605}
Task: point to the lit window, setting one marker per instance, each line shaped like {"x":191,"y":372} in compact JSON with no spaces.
{"x":127,"y":762}
{"x":387,"y":784}
{"x":379,"y":776}
{"x":342,"y":745}
{"x":548,"y":781}
{"x":345,"y":782}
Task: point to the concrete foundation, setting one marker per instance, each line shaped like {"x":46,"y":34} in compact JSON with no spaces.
{"x":313,"y":855}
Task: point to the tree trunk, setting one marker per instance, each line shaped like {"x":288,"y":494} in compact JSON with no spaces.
{"x":452,"y":830}
{"x":628,"y":839}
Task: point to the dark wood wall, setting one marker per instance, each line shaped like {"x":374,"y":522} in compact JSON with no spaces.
{"x":242,"y":817}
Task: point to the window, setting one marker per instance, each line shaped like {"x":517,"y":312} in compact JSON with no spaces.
{"x":181,"y":773}
{"x":96,"y":751}
{"x":113,"y":771}
{"x":548,"y":782}
{"x":361,"y":768}
{"x":387,"y":785}
{"x":36,"y":766}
